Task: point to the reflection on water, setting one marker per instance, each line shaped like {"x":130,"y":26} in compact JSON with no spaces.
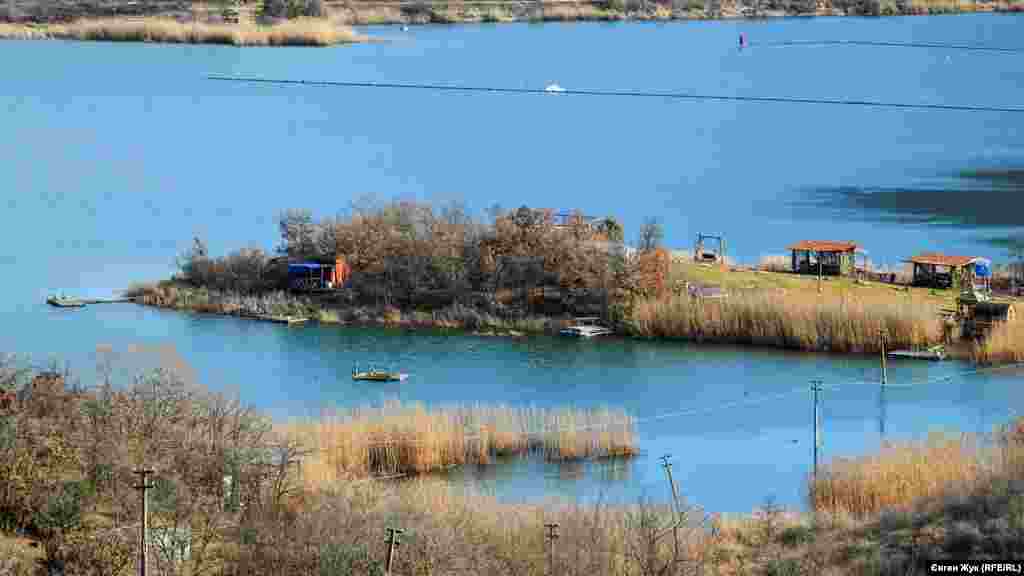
{"x":977,"y":198}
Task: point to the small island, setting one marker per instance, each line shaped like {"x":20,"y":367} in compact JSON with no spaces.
{"x":532,"y":271}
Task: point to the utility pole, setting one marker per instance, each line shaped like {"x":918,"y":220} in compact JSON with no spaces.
{"x":551,"y":536}
{"x":884,"y":337}
{"x":668,"y":470}
{"x":675,"y":503}
{"x":819,"y":271}
{"x":142,"y":487}
{"x":815,"y":388}
{"x":392,"y":542}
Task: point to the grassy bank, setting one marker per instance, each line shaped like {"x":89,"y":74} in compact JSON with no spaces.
{"x":794,"y":321}
{"x":411,"y":439}
{"x":299,"y":32}
{"x":243,"y":488}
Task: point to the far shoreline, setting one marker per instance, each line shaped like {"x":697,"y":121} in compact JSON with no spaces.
{"x":337,"y":28}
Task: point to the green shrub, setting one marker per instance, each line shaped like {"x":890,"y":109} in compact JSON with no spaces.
{"x":794,"y":536}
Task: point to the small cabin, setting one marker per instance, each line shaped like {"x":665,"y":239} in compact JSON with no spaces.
{"x":932,"y":270}
{"x":318,"y":274}
{"x":826,"y":257}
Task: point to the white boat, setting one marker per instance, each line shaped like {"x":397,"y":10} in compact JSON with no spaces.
{"x":586,"y":328}
{"x":554,"y":88}
{"x":933,"y":353}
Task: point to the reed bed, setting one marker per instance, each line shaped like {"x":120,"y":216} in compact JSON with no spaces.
{"x":829,"y":322}
{"x":298,"y":32}
{"x":400,"y":438}
{"x":904,"y":475}
{"x":1003,"y":345}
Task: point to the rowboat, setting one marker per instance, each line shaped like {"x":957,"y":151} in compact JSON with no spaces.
{"x":377,"y":375}
{"x":933,"y":353}
{"x":61,"y":302}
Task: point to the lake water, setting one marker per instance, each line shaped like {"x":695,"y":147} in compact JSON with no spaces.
{"x":116,"y":155}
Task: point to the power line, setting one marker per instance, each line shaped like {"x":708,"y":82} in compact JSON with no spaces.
{"x":889,"y":44}
{"x":624,"y":93}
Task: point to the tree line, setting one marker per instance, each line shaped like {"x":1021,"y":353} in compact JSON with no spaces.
{"x":407,"y":253}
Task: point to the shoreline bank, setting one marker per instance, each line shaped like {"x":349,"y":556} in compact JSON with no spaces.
{"x":165,"y":30}
{"x":658,"y":321}
{"x":335,"y":29}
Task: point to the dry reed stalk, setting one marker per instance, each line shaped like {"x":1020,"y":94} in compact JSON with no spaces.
{"x":298,"y":32}
{"x":901,"y":475}
{"x":1003,"y":345}
{"x":411,"y":439}
{"x":837,"y":323}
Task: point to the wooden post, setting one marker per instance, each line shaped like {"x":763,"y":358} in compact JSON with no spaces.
{"x":815,"y":388}
{"x":551,"y":536}
{"x":819,"y":270}
{"x":884,"y":337}
{"x":392,"y":542}
{"x":142,"y":487}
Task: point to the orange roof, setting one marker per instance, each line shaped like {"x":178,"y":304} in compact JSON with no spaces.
{"x":824,"y":246}
{"x":942,"y":259}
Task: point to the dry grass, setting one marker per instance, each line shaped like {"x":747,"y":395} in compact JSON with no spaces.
{"x":903,"y":475}
{"x":1003,"y":345}
{"x":412,"y":439}
{"x":356,"y":15}
{"x":775,"y":263}
{"x":298,"y":32}
{"x":830,"y":322}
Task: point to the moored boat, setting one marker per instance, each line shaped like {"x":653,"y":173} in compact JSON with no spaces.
{"x":586,"y":327}
{"x":377,"y":375}
{"x":62,"y":302}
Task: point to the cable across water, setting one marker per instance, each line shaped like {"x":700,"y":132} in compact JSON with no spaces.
{"x":619,"y":93}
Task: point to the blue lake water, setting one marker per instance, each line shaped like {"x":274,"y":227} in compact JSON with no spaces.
{"x":114,"y":156}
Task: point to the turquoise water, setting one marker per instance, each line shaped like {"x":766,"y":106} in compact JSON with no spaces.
{"x":114,"y":156}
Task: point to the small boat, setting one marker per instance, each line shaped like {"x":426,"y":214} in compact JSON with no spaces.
{"x":377,"y":375}
{"x":586,"y":327}
{"x":62,"y":302}
{"x":290,"y":320}
{"x":933,"y":353}
{"x":554,"y":88}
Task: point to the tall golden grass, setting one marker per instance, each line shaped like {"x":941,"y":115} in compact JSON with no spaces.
{"x":298,"y":32}
{"x":802,"y":321}
{"x":400,"y":438}
{"x":902,"y":475}
{"x":1003,"y":345}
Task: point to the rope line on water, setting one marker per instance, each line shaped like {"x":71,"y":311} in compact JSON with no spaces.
{"x":624,"y":93}
{"x":889,"y":44}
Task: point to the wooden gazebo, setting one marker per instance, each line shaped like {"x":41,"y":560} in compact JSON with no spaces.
{"x":829,"y":258}
{"x":932,"y":270}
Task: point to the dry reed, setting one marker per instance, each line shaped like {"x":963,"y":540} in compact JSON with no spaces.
{"x":903,"y":475}
{"x":298,"y":32}
{"x":830,"y":322}
{"x":412,"y":439}
{"x":1003,"y":345}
